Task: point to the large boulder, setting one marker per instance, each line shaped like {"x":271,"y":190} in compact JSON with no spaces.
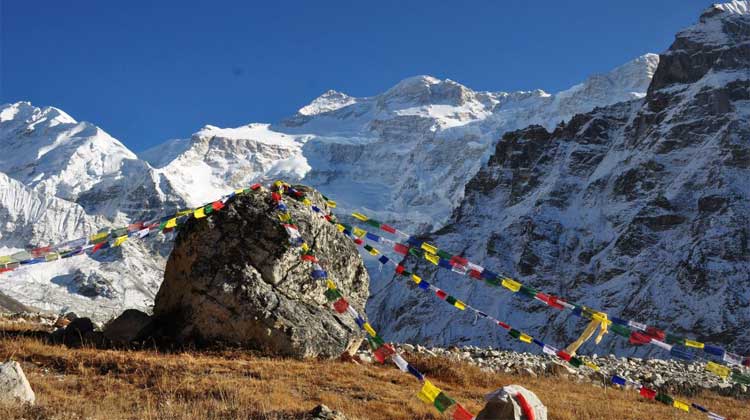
{"x":235,"y":278}
{"x":126,"y":327}
{"x":512,"y":402}
{"x":14,"y":387}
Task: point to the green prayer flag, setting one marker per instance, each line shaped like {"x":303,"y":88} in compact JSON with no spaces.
{"x":664,"y":398}
{"x":444,"y":255}
{"x":620,"y":330}
{"x":333,"y":295}
{"x":375,"y":342}
{"x":450,"y":299}
{"x":673,"y":339}
{"x":373,"y":223}
{"x":493,"y":282}
{"x":575,"y":362}
{"x":528,"y":291}
{"x":442,"y":402}
{"x":514,"y":333}
{"x":740,"y":378}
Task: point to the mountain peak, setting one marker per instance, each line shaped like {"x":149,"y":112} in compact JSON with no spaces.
{"x":329,"y":101}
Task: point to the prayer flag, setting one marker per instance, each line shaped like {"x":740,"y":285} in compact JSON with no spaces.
{"x":319,"y":274}
{"x":647,"y":393}
{"x":718,"y":369}
{"x":525,"y":338}
{"x":432,"y":249}
{"x":461,"y":414}
{"x":429,"y":392}
{"x":638,"y":338}
{"x":401,"y":249}
{"x":120,"y":240}
{"x":367,"y":327}
{"x":416,"y":278}
{"x":740,"y":378}
{"x":383,"y":352}
{"x":460,"y":305}
{"x":621,"y":330}
{"x":456,"y":260}
{"x":441,"y":294}
{"x":358,"y":232}
{"x":547,"y":349}
{"x":511,"y":285}
{"x":432,"y":258}
{"x":400,"y":362}
{"x":673,"y":339}
{"x":619,"y":381}
{"x":411,"y":369}
{"x":387,"y":228}
{"x":681,"y":353}
{"x":475,"y":274}
{"x":171,"y":223}
{"x":664,"y":398}
{"x":503,"y":325}
{"x":359,"y":216}
{"x":732,"y":359}
{"x":681,"y":405}
{"x":200,"y":213}
{"x":563,"y":355}
{"x":714,"y":350}
{"x":340,"y":305}
{"x":372,"y":237}
{"x":694,"y":344}
{"x":217,"y":205}
{"x":442,"y":402}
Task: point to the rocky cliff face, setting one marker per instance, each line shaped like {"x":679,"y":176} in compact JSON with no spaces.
{"x":234,"y":277}
{"x":641,"y":209}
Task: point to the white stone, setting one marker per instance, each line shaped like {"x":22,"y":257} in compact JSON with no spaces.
{"x":14,"y":387}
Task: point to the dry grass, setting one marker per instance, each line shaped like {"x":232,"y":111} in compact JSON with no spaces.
{"x":108,"y":384}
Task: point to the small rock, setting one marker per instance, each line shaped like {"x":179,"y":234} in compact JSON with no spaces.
{"x":322,"y":412}
{"x":125,"y":328}
{"x":14,"y":386}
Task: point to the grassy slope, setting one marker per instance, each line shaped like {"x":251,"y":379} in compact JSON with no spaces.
{"x":98,"y":384}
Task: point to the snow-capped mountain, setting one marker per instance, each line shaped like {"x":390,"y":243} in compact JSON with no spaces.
{"x":394,"y":153}
{"x":640,"y":208}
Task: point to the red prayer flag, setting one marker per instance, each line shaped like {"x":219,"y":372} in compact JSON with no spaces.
{"x":2,"y":270}
{"x":401,"y":249}
{"x":441,"y":294}
{"x":475,"y":274}
{"x":276,"y":196}
{"x":383,"y":352}
{"x":656,"y":333}
{"x":638,"y":338}
{"x":564,"y":355}
{"x":340,"y":305}
{"x":327,"y":217}
{"x":456,"y":260}
{"x":400,"y":269}
{"x":358,"y":241}
{"x":254,"y":187}
{"x":647,"y":393}
{"x":387,"y":228}
{"x":461,"y":413}
{"x":308,"y":257}
{"x":217,"y":205}
{"x":553,"y":301}
{"x":97,"y":247}
{"x":504,"y":325}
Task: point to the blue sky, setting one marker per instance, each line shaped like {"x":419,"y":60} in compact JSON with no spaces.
{"x":149,"y":71}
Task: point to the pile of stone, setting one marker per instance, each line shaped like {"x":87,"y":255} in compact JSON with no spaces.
{"x":669,"y":375}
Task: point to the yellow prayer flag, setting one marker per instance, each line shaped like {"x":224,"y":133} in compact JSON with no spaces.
{"x":330,"y":284}
{"x":5,"y":259}
{"x":183,"y":212}
{"x":369,"y":329}
{"x":98,"y":236}
{"x":432,"y":249}
{"x":307,"y":201}
{"x":331,"y":204}
{"x":592,"y":366}
{"x":51,"y":256}
{"x":429,"y":392}
{"x":511,"y":285}
{"x":305,"y":247}
{"x":360,"y":216}
{"x":200,"y":213}
{"x":285,"y":217}
{"x":374,"y":251}
{"x":416,"y":278}
{"x":279,"y":184}
{"x":460,"y":305}
{"x":120,"y":240}
{"x":358,"y":232}
{"x":681,"y":405}
{"x":694,"y":344}
{"x":240,"y":191}
{"x":718,"y":369}
{"x":340,"y":227}
{"x":171,"y":223}
{"x":432,"y":258}
{"x":525,"y":338}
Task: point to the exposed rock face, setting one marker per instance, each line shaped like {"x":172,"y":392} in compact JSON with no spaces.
{"x":234,"y":277}
{"x":641,"y":209}
{"x":14,"y":387}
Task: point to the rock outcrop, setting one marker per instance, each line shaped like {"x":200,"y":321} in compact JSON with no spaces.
{"x":14,"y":387}
{"x":513,"y":402}
{"x":235,"y":278}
